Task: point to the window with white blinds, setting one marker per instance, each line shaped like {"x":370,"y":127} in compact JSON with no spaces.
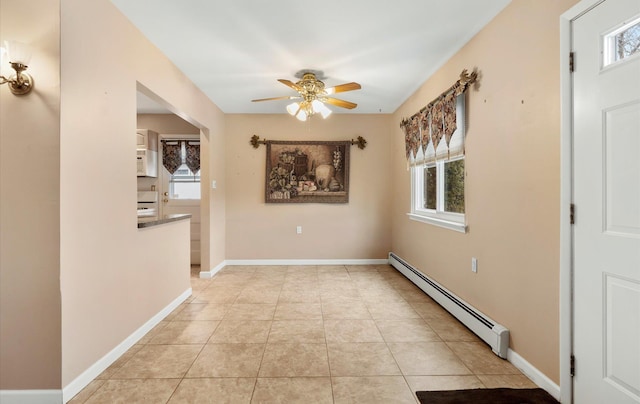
{"x":438,"y":175}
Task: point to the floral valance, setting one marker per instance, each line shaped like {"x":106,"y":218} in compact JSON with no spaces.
{"x":437,"y":121}
{"x":192,"y":159}
{"x":173,"y":155}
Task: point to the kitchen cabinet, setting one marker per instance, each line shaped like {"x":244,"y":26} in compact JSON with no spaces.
{"x":146,"y":139}
{"x":147,"y":152}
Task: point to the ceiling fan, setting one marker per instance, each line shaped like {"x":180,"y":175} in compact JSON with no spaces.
{"x":313,"y":95}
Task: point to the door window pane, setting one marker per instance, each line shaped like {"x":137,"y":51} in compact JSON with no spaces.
{"x":622,"y":43}
{"x":184,"y":184}
{"x":627,"y":42}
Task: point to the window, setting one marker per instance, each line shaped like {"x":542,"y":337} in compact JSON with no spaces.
{"x":184,"y":183}
{"x":622,"y":42}
{"x":437,"y":180}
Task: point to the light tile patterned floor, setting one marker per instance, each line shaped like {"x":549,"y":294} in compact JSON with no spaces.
{"x":302,"y":334}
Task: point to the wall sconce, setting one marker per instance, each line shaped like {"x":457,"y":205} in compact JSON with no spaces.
{"x":19,"y":56}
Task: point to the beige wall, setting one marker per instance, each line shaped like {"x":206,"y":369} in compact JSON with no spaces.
{"x":29,"y":207}
{"x":357,"y":230}
{"x":166,"y":124}
{"x":115,"y":277}
{"x":513,"y":180}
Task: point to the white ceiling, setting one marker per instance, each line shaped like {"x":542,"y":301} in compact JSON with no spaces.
{"x":235,"y":50}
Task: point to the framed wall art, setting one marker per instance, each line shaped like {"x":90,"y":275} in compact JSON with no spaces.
{"x":307,"y":172}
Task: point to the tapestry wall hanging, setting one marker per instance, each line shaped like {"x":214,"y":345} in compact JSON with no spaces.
{"x":307,"y":172}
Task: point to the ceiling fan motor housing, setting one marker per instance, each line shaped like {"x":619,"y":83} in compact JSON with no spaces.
{"x":312,"y":87}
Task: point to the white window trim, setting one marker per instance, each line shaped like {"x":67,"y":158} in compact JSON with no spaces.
{"x":436,"y":217}
{"x":169,"y":184}
{"x":608,"y":46}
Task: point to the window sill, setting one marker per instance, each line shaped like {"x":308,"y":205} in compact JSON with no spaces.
{"x":447,"y":224}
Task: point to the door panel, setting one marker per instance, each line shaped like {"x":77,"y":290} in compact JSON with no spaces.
{"x":622,"y":126}
{"x":606,"y":235}
{"x":622,"y":333}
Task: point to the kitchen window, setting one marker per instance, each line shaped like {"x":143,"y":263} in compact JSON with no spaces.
{"x":184,"y":184}
{"x":183,"y":158}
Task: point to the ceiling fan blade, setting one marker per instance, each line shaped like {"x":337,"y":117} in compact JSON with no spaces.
{"x":340,"y":103}
{"x":288,"y":97}
{"x":342,"y":88}
{"x":291,"y":84}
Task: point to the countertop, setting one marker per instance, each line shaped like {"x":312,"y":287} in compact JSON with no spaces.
{"x":150,"y":222}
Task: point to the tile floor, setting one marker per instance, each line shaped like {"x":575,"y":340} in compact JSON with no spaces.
{"x":302,"y":334}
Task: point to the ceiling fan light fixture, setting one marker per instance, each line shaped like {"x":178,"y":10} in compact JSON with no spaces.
{"x":301,"y":115}
{"x":293,"y":108}
{"x":320,"y":108}
{"x":325,"y":113}
{"x":316,"y":105}
{"x":313,"y":95}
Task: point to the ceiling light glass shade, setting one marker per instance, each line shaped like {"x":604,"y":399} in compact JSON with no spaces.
{"x":293,"y":108}
{"x":323,"y":110}
{"x":319,"y":107}
{"x":17,"y":52}
{"x":325,"y":113}
{"x":301,"y":115}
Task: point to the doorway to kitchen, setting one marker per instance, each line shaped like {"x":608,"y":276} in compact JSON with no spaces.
{"x":182,"y":187}
{"x":179,"y":181}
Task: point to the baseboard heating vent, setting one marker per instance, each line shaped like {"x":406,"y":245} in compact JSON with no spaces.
{"x":488,"y":330}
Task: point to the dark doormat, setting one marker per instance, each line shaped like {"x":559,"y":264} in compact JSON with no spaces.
{"x":486,"y":396}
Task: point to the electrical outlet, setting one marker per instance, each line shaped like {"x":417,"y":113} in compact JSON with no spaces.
{"x":299,"y":230}
{"x":474,"y":265}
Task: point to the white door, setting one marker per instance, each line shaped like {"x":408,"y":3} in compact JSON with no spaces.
{"x":180,"y":193}
{"x":606,"y":171}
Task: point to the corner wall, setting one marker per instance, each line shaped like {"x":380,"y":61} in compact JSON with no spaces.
{"x":512,"y":187}
{"x":357,"y":230}
{"x":29,"y":210}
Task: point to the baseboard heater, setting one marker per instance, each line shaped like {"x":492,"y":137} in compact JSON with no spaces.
{"x":488,"y":330}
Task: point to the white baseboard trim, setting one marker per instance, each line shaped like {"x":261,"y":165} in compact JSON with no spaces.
{"x":31,"y":396}
{"x":310,"y":262}
{"x":215,"y":270}
{"x":80,"y":382}
{"x":534,"y":374}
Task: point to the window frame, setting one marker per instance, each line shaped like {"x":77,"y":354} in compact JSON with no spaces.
{"x":608,"y":45}
{"x":437,"y":217}
{"x":196,"y":179}
{"x":169,"y":180}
